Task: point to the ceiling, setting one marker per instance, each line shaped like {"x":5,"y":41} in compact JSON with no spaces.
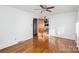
{"x":57,"y":9}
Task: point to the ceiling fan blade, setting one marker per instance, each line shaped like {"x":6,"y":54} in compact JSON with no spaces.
{"x":50,"y":7}
{"x":48,"y":10}
{"x":41,"y":6}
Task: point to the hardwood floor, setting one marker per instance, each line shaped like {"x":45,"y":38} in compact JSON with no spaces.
{"x":45,"y":45}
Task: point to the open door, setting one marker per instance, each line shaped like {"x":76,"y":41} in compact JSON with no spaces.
{"x":34,"y":27}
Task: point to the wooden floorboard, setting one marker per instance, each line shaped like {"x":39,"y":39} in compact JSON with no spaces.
{"x":45,"y":45}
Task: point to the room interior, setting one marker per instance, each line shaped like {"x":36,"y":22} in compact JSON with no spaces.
{"x":39,"y":29}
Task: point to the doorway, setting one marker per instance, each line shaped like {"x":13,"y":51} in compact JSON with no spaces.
{"x":34,"y":27}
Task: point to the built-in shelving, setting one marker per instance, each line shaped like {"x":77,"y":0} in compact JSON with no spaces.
{"x":46,"y":26}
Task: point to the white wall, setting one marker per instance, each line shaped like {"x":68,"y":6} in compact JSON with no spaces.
{"x":77,"y":28}
{"x":15,"y":26}
{"x":63,"y":25}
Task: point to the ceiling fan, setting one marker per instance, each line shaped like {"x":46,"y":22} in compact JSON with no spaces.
{"x":45,"y":8}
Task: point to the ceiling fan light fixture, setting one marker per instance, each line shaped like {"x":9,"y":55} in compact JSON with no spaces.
{"x":46,"y":8}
